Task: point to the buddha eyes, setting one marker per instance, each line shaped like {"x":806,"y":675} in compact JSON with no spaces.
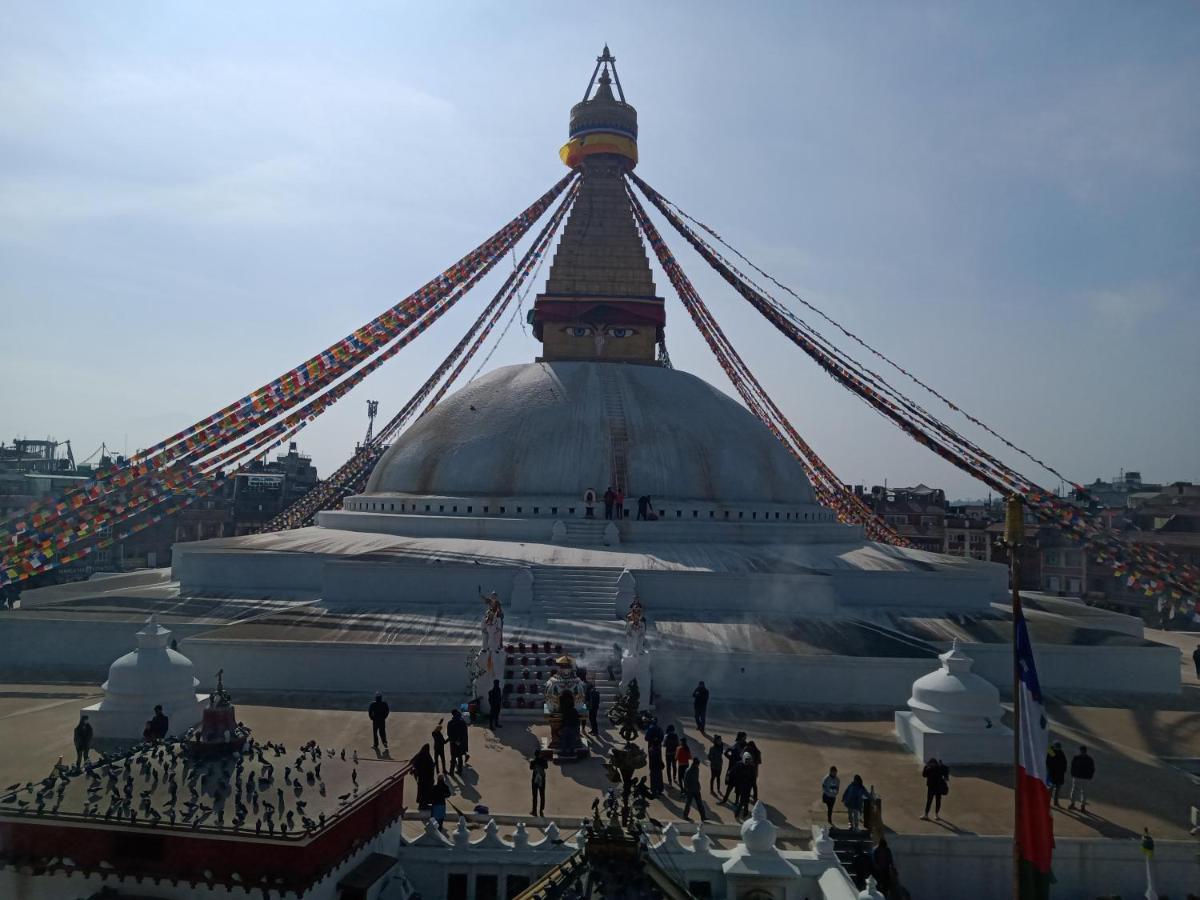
{"x":581,"y":331}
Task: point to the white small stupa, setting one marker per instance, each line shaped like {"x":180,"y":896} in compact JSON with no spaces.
{"x":954,"y":715}
{"x":152,"y":675}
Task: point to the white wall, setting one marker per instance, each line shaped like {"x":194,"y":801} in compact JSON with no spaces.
{"x":65,"y":649}
{"x":449,"y":587}
{"x":246,"y":574}
{"x":981,"y":867}
{"x":1143,"y":670}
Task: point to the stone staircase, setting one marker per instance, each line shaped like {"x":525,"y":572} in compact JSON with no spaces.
{"x":587,"y":532}
{"x":576,"y":593}
{"x":614,"y":412}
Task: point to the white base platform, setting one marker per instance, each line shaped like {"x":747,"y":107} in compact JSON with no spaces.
{"x":993,"y":746}
{"x":126,"y":725}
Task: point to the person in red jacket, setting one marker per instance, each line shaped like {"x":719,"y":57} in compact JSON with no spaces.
{"x":683,"y":758}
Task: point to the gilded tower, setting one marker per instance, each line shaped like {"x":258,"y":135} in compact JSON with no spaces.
{"x":599,"y":302}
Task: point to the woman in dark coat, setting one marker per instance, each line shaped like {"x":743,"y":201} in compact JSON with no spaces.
{"x":937,"y":785}
{"x":1056,"y":770}
{"x":423,"y":772}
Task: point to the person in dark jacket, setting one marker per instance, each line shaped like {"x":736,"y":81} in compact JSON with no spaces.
{"x":937,"y":785}
{"x":883,"y":866}
{"x":495,"y":701}
{"x":654,"y":753}
{"x":422,"y":770}
{"x":1056,"y":770}
{"x":456,"y":733}
{"x":716,"y":762}
{"x":437,"y":801}
{"x":855,"y":798}
{"x":610,"y":498}
{"x":700,"y":706}
{"x":439,"y":748}
{"x":593,"y":705}
{"x":734,"y":755}
{"x":83,"y":741}
{"x":670,"y":748}
{"x":756,"y":758}
{"x":1083,"y":770}
{"x":537,"y":784}
{"x":378,"y":713}
{"x":742,"y":779}
{"x":691,"y":790}
{"x":1196,"y":659}
{"x":159,"y":725}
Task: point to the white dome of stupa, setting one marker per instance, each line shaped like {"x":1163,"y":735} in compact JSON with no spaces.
{"x":151,"y":675}
{"x":546,"y":429}
{"x":955,"y":698}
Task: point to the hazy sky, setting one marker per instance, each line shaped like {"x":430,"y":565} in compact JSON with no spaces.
{"x":1005,"y":197}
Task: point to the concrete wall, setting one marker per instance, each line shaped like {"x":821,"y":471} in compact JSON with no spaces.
{"x":981,"y":867}
{"x":1143,"y":670}
{"x":245,"y":574}
{"x":452,"y":588}
{"x":362,"y":668}
{"x":693,"y":594}
{"x":815,"y":680}
{"x":71,"y":650}
{"x":969,"y":592}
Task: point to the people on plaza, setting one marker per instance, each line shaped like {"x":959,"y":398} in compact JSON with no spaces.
{"x":423,"y":773}
{"x":830,"y":788}
{"x":593,"y":707}
{"x":854,"y":798}
{"x":716,"y":762}
{"x":610,"y":497}
{"x":683,"y":758}
{"x":495,"y":701}
{"x":883,"y":866}
{"x":1083,"y":770}
{"x":159,"y":725}
{"x":645,"y":508}
{"x":734,"y":755}
{"x":756,"y":761}
{"x":439,"y":748}
{"x":618,"y":503}
{"x":1056,"y":771}
{"x":691,"y":790}
{"x":377,"y":712}
{"x":456,"y":733}
{"x":700,"y":706}
{"x":437,"y":801}
{"x":537,"y":783}
{"x":743,"y":784}
{"x":1196,"y":659}
{"x":670,"y":748}
{"x":937,"y":785}
{"x":589,"y":503}
{"x":83,"y":741}
{"x":654,"y":754}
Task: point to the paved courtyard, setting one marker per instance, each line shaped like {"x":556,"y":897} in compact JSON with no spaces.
{"x":1142,"y":756}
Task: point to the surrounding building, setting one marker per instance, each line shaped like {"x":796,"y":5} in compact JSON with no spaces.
{"x":916,"y":513}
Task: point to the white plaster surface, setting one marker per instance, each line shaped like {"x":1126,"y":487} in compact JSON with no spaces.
{"x":542,"y":428}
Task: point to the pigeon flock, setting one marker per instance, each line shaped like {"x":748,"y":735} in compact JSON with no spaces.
{"x":263,"y":789}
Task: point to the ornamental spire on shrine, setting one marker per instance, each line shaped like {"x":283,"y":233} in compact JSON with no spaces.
{"x":600,"y":302}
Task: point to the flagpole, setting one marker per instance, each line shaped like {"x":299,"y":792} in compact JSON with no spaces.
{"x":1014,"y":533}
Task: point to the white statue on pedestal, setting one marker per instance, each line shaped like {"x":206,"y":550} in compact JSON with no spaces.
{"x":491,"y":654}
{"x":635,"y":660}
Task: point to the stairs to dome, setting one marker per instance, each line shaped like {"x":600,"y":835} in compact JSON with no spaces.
{"x":576,"y":592}
{"x":614,"y":412}
{"x":586,"y":532}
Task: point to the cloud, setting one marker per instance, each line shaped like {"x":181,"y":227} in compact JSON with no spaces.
{"x":1127,"y":307}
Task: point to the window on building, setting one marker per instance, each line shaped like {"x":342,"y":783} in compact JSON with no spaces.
{"x":514,"y":885}
{"x":487,"y":887}
{"x":1052,"y":557}
{"x":456,"y":886}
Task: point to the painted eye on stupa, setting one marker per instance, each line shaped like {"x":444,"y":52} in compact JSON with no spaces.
{"x":579,"y":330}
{"x":620,"y":332}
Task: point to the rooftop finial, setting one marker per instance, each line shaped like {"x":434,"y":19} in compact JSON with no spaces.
{"x":608,"y":61}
